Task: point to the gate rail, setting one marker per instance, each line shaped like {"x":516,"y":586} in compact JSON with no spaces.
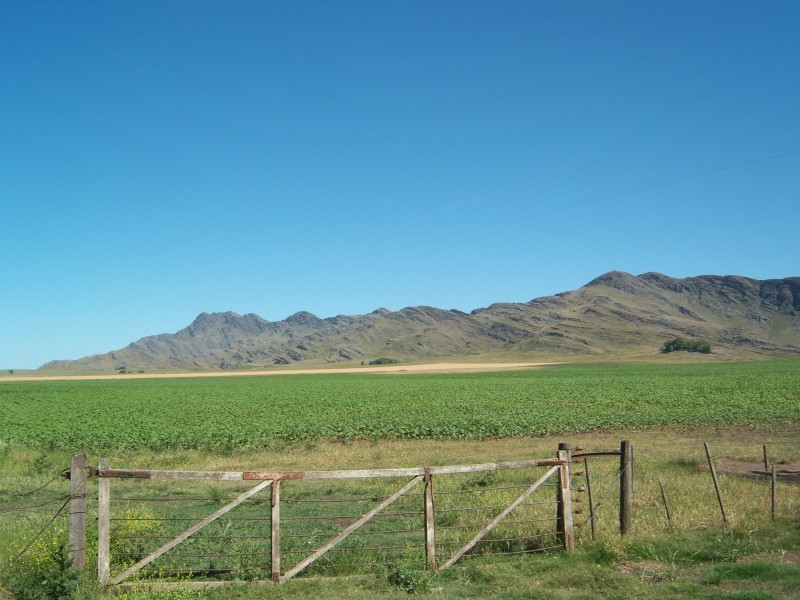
{"x":276,"y":481}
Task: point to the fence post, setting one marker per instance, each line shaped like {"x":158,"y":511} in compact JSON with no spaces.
{"x":716,"y":483}
{"x":77,"y":510}
{"x":564,"y":518}
{"x":103,"y":524}
{"x":591,"y":496}
{"x":430,"y":522}
{"x":275,"y":542}
{"x":626,"y":487}
{"x":566,"y":447}
{"x":666,"y":502}
{"x":774,"y":492}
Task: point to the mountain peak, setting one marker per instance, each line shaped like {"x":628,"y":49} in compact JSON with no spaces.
{"x":616,"y":279}
{"x":205,"y":319}
{"x":304,"y":318}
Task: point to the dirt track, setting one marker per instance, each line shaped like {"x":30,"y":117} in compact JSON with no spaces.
{"x":422,"y":368}
{"x":786,"y":472}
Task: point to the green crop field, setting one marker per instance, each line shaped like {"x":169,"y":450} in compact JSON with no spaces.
{"x":257,"y":412}
{"x":296,"y":422}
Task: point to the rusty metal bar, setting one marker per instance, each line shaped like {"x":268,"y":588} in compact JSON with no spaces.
{"x":585,"y":454}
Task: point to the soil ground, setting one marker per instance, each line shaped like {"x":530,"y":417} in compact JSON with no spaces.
{"x":412,"y":368}
{"x":785,"y":472}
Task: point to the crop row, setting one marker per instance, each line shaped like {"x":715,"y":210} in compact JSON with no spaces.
{"x":230,"y":413}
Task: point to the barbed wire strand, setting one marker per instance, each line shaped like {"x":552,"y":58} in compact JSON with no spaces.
{"x":599,"y":503}
{"x":43,"y":529}
{"x":30,"y":506}
{"x":41,"y":487}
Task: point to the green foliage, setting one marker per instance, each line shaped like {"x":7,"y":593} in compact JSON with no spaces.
{"x":384,"y":361}
{"x":226,"y":414}
{"x":44,"y":571}
{"x":130,"y":530}
{"x":680,"y":344}
{"x":42,"y":464}
{"x":411,"y":581}
{"x":144,"y":593}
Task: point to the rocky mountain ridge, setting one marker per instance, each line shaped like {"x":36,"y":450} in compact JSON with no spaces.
{"x":613,"y":313}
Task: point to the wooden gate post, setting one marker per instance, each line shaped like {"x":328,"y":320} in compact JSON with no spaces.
{"x":77,"y":510}
{"x":626,"y":487}
{"x":103,"y":523}
{"x":430,"y":522}
{"x":565,"y":524}
{"x":275,"y":542}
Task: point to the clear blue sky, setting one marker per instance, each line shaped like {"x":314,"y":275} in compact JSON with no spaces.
{"x":162,"y":159}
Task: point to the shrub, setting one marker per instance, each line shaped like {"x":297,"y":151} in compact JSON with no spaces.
{"x":410,"y":580}
{"x":384,"y":361}
{"x":44,"y":571}
{"x":679,"y":344}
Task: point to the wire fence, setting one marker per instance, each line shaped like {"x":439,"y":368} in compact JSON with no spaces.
{"x":27,"y":502}
{"x":148,"y":513}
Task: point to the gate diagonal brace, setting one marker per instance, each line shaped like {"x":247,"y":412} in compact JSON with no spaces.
{"x":191,"y":531}
{"x":493,"y":523}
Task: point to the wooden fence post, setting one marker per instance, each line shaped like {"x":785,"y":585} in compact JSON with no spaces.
{"x":774,"y":492}
{"x":430,"y":522}
{"x":566,"y":527}
{"x":716,"y":483}
{"x":103,"y":524}
{"x":626,"y":487}
{"x":566,"y":447}
{"x":276,"y":531}
{"x":666,"y":502}
{"x":77,"y":510}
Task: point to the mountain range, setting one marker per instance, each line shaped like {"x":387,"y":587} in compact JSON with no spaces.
{"x":616,"y":314}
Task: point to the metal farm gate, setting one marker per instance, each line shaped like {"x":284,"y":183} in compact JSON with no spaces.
{"x":210,"y":528}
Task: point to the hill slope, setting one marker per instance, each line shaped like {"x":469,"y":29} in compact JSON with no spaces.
{"x":617,"y":312}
